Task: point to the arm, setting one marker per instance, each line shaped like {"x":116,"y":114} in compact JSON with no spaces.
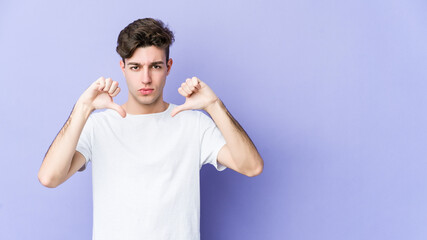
{"x":62,"y":160}
{"x":58,"y":159}
{"x":239,"y":153}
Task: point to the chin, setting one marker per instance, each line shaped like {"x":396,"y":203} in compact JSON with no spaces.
{"x":150,"y":101}
{"x":147,"y":100}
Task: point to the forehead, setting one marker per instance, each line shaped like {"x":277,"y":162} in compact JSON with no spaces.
{"x":145,"y":55}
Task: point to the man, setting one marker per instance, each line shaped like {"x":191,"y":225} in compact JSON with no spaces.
{"x":147,"y":154}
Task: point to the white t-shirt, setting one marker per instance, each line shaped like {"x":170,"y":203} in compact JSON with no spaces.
{"x":145,"y":172}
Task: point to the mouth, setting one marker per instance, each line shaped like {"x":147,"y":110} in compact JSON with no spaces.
{"x":146,"y":91}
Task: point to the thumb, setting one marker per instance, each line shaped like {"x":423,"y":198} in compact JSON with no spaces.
{"x":117,"y":108}
{"x":178,"y":109}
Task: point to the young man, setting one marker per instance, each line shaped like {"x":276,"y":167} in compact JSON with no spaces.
{"x":147,"y":154}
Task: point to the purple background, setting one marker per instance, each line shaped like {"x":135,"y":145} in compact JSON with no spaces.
{"x":333,"y":95}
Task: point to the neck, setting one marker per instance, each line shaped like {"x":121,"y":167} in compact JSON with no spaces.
{"x":138,"y":108}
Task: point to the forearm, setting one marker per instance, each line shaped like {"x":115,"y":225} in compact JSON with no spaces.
{"x":241,"y":147}
{"x":57,"y":160}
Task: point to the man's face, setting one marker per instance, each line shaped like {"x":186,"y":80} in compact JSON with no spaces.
{"x":145,"y":74}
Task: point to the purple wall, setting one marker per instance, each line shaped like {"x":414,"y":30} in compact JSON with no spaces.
{"x":332,"y":94}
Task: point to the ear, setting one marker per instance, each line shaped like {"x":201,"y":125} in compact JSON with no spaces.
{"x":122,"y":66}
{"x":170,"y":62}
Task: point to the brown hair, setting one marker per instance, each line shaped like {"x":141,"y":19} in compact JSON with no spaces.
{"x":144,"y":33}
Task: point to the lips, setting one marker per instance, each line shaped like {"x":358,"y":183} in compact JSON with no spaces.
{"x":146,"y":91}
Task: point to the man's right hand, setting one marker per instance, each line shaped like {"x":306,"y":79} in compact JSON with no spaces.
{"x":100,"y":95}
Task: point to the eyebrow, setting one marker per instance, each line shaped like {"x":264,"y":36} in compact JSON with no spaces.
{"x":138,"y":64}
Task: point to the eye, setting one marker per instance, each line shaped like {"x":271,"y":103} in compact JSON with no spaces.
{"x":156,"y":67}
{"x":134,"y":67}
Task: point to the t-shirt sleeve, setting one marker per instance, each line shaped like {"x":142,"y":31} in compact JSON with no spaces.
{"x":212,"y":141}
{"x":84,"y":145}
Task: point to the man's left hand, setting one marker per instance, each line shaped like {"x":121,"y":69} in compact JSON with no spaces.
{"x":197,"y":95}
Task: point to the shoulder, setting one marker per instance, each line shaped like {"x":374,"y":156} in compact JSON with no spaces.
{"x":198,"y":117}
{"x":104,"y":115}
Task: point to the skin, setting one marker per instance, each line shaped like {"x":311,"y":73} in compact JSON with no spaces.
{"x":147,"y":68}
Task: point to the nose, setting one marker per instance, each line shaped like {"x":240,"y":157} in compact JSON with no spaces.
{"x":146,"y":76}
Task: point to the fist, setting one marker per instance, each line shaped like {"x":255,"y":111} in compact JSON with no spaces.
{"x":198,"y":95}
{"x":100,"y":95}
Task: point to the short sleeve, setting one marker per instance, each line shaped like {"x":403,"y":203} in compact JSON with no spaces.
{"x":84,"y":145}
{"x":211,"y":143}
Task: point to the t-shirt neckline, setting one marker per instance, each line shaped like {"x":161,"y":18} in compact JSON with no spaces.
{"x":128,"y":115}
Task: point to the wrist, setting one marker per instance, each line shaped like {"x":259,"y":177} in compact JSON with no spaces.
{"x":84,"y":108}
{"x":214,"y":106}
